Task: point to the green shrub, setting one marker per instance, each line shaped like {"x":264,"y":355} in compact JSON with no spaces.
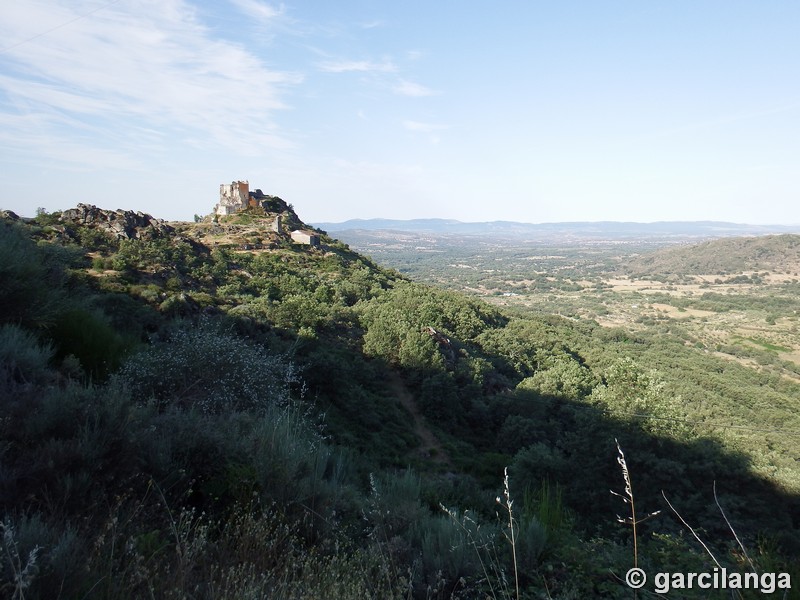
{"x":517,"y":432}
{"x":32,"y":279}
{"x":449,"y":550}
{"x":394,"y":505}
{"x":23,"y":360}
{"x":91,"y":339}
{"x":292,"y":465}
{"x":561,"y":376}
{"x":210,"y":369}
{"x":177,"y":305}
{"x":61,"y":444}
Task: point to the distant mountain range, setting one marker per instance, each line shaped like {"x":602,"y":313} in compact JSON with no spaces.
{"x":599,"y":229}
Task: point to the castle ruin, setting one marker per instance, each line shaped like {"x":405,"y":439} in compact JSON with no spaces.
{"x":236,"y":197}
{"x":233,"y":197}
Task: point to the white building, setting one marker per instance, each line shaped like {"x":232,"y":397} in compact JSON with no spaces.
{"x":303,"y":236}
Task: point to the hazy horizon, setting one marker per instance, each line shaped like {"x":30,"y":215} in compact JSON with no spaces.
{"x":368,"y":219}
{"x":317,"y":223}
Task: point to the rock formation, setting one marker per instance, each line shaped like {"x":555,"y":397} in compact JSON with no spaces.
{"x":120,"y":224}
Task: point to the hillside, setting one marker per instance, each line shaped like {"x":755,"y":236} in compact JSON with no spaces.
{"x":774,"y":253}
{"x":215,"y":410}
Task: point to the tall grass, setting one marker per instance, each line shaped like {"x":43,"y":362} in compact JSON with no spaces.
{"x":21,"y":569}
{"x":506,"y":554}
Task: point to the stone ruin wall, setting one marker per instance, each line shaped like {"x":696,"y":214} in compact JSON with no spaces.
{"x":233,"y":197}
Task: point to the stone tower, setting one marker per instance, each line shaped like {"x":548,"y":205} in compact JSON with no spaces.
{"x":233,"y":197}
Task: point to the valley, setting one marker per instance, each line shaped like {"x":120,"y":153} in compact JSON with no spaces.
{"x":745,"y":310}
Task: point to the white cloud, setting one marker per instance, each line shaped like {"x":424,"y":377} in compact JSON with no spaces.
{"x":363,"y":66}
{"x":261,"y":11}
{"x":30,"y":140}
{"x":99,"y":76}
{"x":415,"y":90}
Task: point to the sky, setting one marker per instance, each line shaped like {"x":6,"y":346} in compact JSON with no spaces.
{"x":530,"y":110}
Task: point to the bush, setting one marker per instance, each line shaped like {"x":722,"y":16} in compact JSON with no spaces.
{"x":22,"y":359}
{"x":32,"y":279}
{"x":91,"y":339}
{"x":395,"y":504}
{"x":450,"y":549}
{"x":562,"y":377}
{"x":210,"y":369}
{"x":40,"y":558}
{"x":61,"y":443}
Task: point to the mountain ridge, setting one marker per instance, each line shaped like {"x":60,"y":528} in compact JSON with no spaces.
{"x":706,"y":228}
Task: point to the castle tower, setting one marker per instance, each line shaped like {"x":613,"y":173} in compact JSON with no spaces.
{"x":233,"y":197}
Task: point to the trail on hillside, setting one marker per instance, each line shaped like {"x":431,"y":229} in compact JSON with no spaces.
{"x":431,"y":448}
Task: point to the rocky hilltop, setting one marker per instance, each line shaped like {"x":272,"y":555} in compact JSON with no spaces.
{"x":268,"y":225}
{"x":118,"y":224}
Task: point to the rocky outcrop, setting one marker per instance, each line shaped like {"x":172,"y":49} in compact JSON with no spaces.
{"x":270,"y":204}
{"x":120,"y":224}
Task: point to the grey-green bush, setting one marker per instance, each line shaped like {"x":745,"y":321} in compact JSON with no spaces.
{"x":23,"y":360}
{"x":207,"y":368}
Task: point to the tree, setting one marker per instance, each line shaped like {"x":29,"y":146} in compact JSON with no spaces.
{"x":632,"y":393}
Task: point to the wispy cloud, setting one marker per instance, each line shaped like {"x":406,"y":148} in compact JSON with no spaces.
{"x":140,"y":64}
{"x":261,"y":11}
{"x":362,"y":66}
{"x":415,"y":90}
{"x":38,"y":139}
{"x":372,"y":24}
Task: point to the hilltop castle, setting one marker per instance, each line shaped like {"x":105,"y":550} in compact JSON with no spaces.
{"x":236,"y":196}
{"x":233,"y":197}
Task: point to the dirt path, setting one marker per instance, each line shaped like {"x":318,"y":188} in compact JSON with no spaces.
{"x":431,"y":448}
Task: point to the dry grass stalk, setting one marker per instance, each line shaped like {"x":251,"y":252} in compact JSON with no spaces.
{"x":689,"y":527}
{"x":507,"y":505}
{"x":23,"y":574}
{"x":733,"y":531}
{"x":627,"y":498}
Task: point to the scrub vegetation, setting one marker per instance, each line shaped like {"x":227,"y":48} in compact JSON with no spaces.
{"x":191,"y":416}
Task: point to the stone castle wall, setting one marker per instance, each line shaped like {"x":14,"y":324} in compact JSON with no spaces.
{"x":233,"y":197}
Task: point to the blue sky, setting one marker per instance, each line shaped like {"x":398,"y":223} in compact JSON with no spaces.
{"x":522,"y":110}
